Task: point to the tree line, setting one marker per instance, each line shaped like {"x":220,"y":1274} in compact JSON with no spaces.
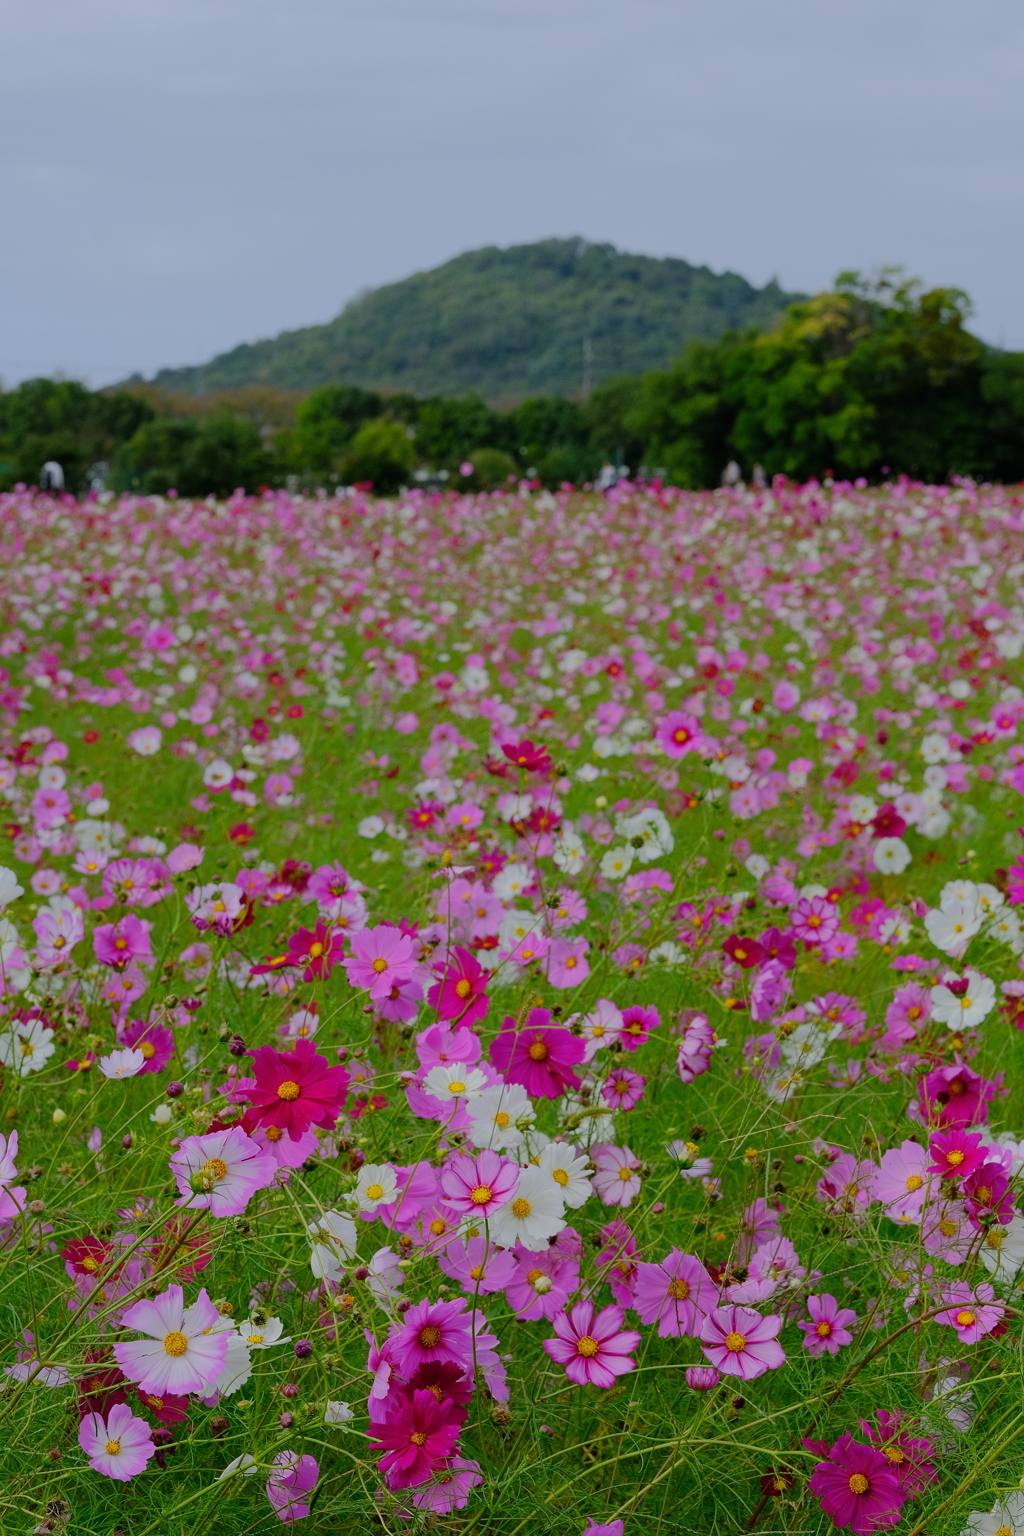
{"x":870,"y":379}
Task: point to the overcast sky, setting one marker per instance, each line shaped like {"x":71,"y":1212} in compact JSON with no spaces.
{"x":177,"y":176}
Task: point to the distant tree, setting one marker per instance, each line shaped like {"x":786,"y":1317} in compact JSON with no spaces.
{"x":382,"y":453}
{"x":492,"y":468}
{"x":212,"y":457}
{"x":60,"y":419}
{"x":325,"y":424}
{"x":447,"y":431}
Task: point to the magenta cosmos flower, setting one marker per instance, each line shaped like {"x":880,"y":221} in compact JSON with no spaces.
{"x":623,"y":1089}
{"x":617,"y":1179}
{"x":117,"y":1446}
{"x":295,"y":1090}
{"x":461,"y":993}
{"x":740,"y":1342}
{"x":293,"y":1477}
{"x":318,"y":950}
{"x":857,"y":1485}
{"x":116,"y":944}
{"x":381,"y":958}
{"x":592,"y":1349}
{"x":181,"y":1354}
{"x":538,"y":1057}
{"x":434,"y":1332}
{"x":637,"y":1026}
{"x":478,"y":1186}
{"x":678,"y":733}
{"x":449,"y":1488}
{"x":953,"y":1095}
{"x":829,"y":1327}
{"x":221,"y":1171}
{"x":910,"y":1458}
{"x":154,"y":1041}
{"x":677,"y":1294}
{"x":417,"y":1436}
{"x":956,"y":1153}
{"x":814,"y":920}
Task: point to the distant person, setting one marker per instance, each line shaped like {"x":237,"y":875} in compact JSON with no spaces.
{"x":760,"y":478}
{"x":608,"y":477}
{"x":51,"y":476}
{"x":732,"y":473}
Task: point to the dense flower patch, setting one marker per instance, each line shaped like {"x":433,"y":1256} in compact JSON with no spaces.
{"x":511,"y":1011}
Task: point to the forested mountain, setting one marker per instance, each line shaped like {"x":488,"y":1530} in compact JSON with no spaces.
{"x":505,"y":323}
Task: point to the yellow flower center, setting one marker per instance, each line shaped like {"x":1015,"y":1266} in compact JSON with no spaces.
{"x":859,"y":1483}
{"x":254,"y":1338}
{"x":521,"y":1208}
{"x":954,"y":1159}
{"x":380,"y":964}
{"x":288,"y":1090}
{"x":587,"y":1347}
{"x":534,"y":1276}
{"x":538,"y":1051}
{"x":175,"y":1343}
{"x":463,"y":988}
{"x":625,"y":1174}
{"x":113,"y":1447}
{"x":477,"y":1272}
{"x":502,"y":1118}
{"x":418,"y":1437}
{"x":678,"y":1289}
{"x":430,"y":1336}
{"x":315,"y":951}
{"x":274,"y":1133}
{"x":215,"y":1168}
{"x":965,"y":1319}
{"x":560,"y":1176}
{"x":437,"y":1226}
{"x":481,"y":1194}
{"x":735,"y":1343}
{"x":456,"y":1087}
{"x":948,"y":1227}
{"x":823,"y":1330}
{"x":374,"y":1191}
{"x":914,"y":1182}
{"x":895,"y":1455}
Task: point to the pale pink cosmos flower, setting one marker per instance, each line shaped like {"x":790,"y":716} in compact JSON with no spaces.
{"x":57,"y":932}
{"x":181,"y":1355}
{"x":971,"y":1312}
{"x":222,"y":1171}
{"x":593,"y":1349}
{"x":293,"y":1478}
{"x":125,"y":1063}
{"x":829,"y":1327}
{"x":567,"y":962}
{"x":676,"y":1293}
{"x":617,"y":1179}
{"x":118,"y":1445}
{"x":847,"y":1186}
{"x":814,"y":920}
{"x":216,"y":906}
{"x":601,"y":1027}
{"x":903,"y":1180}
{"x":478,"y":1186}
{"x":382,"y":958}
{"x":740,"y":1342}
{"x":449,"y":1488}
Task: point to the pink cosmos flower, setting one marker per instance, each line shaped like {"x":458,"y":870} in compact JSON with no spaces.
{"x":908,"y":1013}
{"x":185,"y":857}
{"x":450,"y":1487}
{"x":814,"y":920}
{"x":971,"y":1313}
{"x":57,"y":933}
{"x":623,"y":1089}
{"x":478,"y":1186}
{"x":317,"y":949}
{"x":847,"y":1185}
{"x":216,"y":907}
{"x":118,"y":1445}
{"x":956,"y":1153}
{"x":909,"y":1458}
{"x":221,"y":1171}
{"x":592,"y":1348}
{"x":829,"y":1327}
{"x":541,"y":1283}
{"x":945,"y":1232}
{"x":695,"y":1049}
{"x":609,"y":1528}
{"x":857,"y":1485}
{"x":637,"y":1025}
{"x":702,"y":1378}
{"x":461,"y":992}
{"x":614,"y":1261}
{"x":382,"y":957}
{"x":954,"y":1095}
{"x":116,"y":944}
{"x":154,"y":1041}
{"x":293,"y":1477}
{"x":567,"y":962}
{"x":417,"y":1436}
{"x":433,"y":1332}
{"x":676,"y":1293}
{"x":902,"y":1182}
{"x":740,"y":1342}
{"x":617,"y":1179}
{"x":987,"y":1194}
{"x":678,"y":733}
{"x":769,"y":992}
{"x":537,"y":1056}
{"x":479,"y":1267}
{"x":181,"y":1354}
{"x":295,"y":1090}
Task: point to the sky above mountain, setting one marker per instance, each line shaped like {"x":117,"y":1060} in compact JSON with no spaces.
{"x":178,"y":176}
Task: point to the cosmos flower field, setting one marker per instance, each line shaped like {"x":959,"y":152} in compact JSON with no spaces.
{"x":511,"y":1012}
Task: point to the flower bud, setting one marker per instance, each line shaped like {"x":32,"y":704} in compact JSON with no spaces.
{"x":303,"y":1349}
{"x":175,"y":1090}
{"x":59,"y":1117}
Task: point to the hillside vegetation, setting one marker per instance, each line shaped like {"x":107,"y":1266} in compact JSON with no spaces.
{"x":505,"y":323}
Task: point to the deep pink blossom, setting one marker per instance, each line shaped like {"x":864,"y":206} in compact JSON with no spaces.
{"x":318,"y":950}
{"x":434,"y":1331}
{"x":857,"y":1486}
{"x":293,"y":1477}
{"x":909,"y":1457}
{"x":829,"y":1326}
{"x":295,"y":1090}
{"x":117,"y":944}
{"x":461,"y":992}
{"x":954,"y":1095}
{"x":679,"y":733}
{"x":155,"y":1041}
{"x":623,"y":1089}
{"x":637,"y":1026}
{"x":381,"y":958}
{"x":538,"y":1056}
{"x":593,"y":1349}
{"x":956,"y":1153}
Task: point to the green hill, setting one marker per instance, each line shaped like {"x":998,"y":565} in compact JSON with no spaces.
{"x":508,"y":323}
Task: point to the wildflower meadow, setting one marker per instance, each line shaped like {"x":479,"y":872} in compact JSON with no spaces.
{"x":512,"y":1012}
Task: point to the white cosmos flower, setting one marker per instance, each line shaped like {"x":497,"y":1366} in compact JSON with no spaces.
{"x":616,"y":863}
{"x":512,"y":881}
{"x":262,"y":1335}
{"x":569,"y":853}
{"x":1005,"y":1519}
{"x":805,"y":1047}
{"x":338,"y":1413}
{"x":891,"y":855}
{"x":10,"y":890}
{"x":497,"y":1116}
{"x":966,"y":1011}
{"x":334,"y":1244}
{"x":245,"y":1465}
{"x":27,"y":1047}
{"x":451,"y":1081}
{"x":218,"y":774}
{"x":952,"y":926}
{"x":385,"y":1276}
{"x":1002,"y":1249}
{"x":570,"y":1171}
{"x":534,"y":1214}
{"x":124,"y":1063}
{"x":652,"y":826}
{"x":377,"y":1185}
{"x":781,"y":1088}
{"x":757,"y":866}
{"x":989,"y":898}
{"x":370,"y":826}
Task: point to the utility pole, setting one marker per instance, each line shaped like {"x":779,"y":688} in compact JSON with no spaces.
{"x":588,"y":368}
